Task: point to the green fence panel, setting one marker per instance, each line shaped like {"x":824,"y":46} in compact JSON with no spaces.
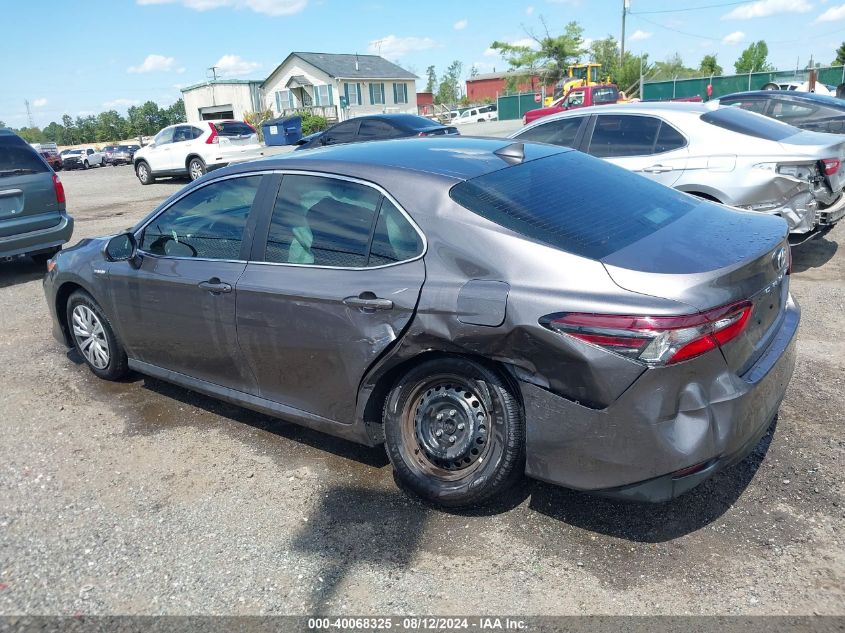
{"x":726,"y":84}
{"x":514,"y":106}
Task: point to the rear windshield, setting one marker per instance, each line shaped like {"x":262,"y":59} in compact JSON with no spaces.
{"x":574,"y":202}
{"x":16,"y":157}
{"x":750,"y":123}
{"x":233,"y":128}
{"x":605,"y":95}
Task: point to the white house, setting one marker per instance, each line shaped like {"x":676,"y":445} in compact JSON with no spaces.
{"x":222,"y":99}
{"x":339,"y":87}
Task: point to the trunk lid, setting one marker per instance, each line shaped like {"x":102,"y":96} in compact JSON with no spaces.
{"x":710,"y":257}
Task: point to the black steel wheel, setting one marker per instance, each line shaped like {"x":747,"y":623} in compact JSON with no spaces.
{"x":454,"y":432}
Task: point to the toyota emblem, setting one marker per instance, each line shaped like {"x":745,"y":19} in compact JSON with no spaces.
{"x":779,"y":258}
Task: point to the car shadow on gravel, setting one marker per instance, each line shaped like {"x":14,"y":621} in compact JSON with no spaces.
{"x":20,"y":270}
{"x":813,"y":254}
{"x":653,"y":523}
{"x":352,"y":529}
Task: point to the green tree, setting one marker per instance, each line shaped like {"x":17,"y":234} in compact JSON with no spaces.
{"x":431,"y":79}
{"x":54,"y":133}
{"x":175,"y":113}
{"x":449,"y":90}
{"x":754,"y":59}
{"x":31,"y":134}
{"x":839,"y":61}
{"x":111,"y":126}
{"x":709,"y":66}
{"x":672,"y":68}
{"x":606,"y":52}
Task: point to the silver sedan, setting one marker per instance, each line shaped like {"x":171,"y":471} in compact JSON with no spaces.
{"x":727,"y":155}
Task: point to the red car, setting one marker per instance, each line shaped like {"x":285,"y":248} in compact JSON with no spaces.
{"x":53,"y":159}
{"x":578,"y":97}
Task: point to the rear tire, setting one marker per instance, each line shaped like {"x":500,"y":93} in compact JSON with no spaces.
{"x":144,"y":173}
{"x":196,"y":168}
{"x":94,"y":338}
{"x":771,"y":86}
{"x":454,"y":432}
{"x":85,"y":165}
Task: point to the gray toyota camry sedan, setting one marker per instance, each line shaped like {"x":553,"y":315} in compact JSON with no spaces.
{"x":484,"y":308}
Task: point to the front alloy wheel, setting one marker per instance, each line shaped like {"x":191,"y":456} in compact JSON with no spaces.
{"x":90,"y":336}
{"x":142,"y":170}
{"x":94,"y":338}
{"x":196,"y":168}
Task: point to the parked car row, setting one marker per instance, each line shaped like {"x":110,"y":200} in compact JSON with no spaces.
{"x":119,"y":154}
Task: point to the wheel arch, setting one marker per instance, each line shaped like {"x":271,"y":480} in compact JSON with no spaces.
{"x":374,"y":392}
{"x":190,"y":157}
{"x":705,"y":193}
{"x":62,"y":296}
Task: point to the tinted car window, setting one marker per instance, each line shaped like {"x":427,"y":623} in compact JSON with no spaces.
{"x":791,"y":110}
{"x":623,"y":135}
{"x":743,"y":122}
{"x":557,"y":132}
{"x":374,"y":128}
{"x":668,"y":138}
{"x":322,"y":222}
{"x":752,"y":105}
{"x":605,"y":95}
{"x":342,"y":132}
{"x":582,"y":215}
{"x":233,"y":128}
{"x":208,"y":222}
{"x":395,"y":240}
{"x":182,"y":133}
{"x":16,"y":157}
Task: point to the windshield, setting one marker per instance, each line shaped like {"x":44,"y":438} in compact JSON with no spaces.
{"x":749,"y":123}
{"x":74,"y":151}
{"x":579,"y":215}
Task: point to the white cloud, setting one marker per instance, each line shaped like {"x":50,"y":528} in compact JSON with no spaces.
{"x":119,"y":104}
{"x":39,"y":103}
{"x":235,"y":65}
{"x":832,"y":14}
{"x":765,"y":8}
{"x":525,"y":41}
{"x":460,"y":25}
{"x":733,"y":38}
{"x":529,"y":10}
{"x":267,"y":7}
{"x":639,"y":35}
{"x":392,"y":47}
{"x":586,"y":42}
{"x":156,"y":63}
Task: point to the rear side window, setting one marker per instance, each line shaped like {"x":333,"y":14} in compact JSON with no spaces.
{"x":372,"y":129}
{"x":605,"y":95}
{"x":322,"y":222}
{"x":16,"y":158}
{"x":579,"y":213}
{"x":395,"y":240}
{"x":668,"y":138}
{"x":557,"y":132}
{"x":744,"y":122}
{"x":233,"y":128}
{"x":623,"y":135}
{"x":752,"y":105}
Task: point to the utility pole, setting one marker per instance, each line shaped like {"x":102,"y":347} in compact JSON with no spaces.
{"x":626,"y":5}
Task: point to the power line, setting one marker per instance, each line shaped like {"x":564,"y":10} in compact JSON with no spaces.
{"x":706,"y":6}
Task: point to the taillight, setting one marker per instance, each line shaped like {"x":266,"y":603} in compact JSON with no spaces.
{"x":59,"y":188}
{"x":831,"y":165}
{"x":213,"y":138}
{"x":423,"y":134}
{"x":660,"y":340}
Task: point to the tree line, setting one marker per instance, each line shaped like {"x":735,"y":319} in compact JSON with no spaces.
{"x":109,"y":126}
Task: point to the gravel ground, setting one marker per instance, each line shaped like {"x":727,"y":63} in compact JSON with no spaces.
{"x":143,"y":498}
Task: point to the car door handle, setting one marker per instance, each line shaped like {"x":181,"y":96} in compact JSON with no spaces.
{"x":658,"y":169}
{"x":215,"y":286}
{"x":368,"y":301}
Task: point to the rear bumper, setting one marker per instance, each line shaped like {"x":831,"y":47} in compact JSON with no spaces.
{"x":671,"y":418}
{"x":35,"y":241}
{"x":231,"y":158}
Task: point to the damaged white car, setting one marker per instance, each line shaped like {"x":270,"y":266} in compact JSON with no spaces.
{"x":728,"y":155}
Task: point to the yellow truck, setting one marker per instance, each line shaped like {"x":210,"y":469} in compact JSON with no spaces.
{"x":577,"y":75}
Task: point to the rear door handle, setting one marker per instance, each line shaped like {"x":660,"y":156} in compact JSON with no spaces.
{"x":658,"y":169}
{"x":215,"y":286}
{"x":368,"y":303}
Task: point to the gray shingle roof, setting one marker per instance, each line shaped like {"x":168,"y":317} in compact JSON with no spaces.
{"x":343,"y":66}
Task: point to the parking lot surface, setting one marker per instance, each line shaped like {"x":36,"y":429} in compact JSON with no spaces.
{"x":140,"y":497}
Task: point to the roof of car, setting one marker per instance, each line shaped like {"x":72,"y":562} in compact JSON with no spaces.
{"x":452,"y":157}
{"x":406,"y":119}
{"x":789,"y":94}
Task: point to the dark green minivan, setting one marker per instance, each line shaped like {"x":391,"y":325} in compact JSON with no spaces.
{"x":33,"y":219}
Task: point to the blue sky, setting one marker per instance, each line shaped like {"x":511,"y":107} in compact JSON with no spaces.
{"x":92,"y":55}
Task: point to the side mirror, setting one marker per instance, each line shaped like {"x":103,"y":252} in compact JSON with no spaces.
{"x":123,"y":248}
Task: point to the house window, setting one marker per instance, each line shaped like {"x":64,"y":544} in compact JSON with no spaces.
{"x":400,"y":93}
{"x":352,"y":92}
{"x":323,"y":95}
{"x":284,"y":99}
{"x":377,"y":94}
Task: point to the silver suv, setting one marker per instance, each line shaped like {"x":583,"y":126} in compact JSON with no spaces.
{"x":33,"y":220}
